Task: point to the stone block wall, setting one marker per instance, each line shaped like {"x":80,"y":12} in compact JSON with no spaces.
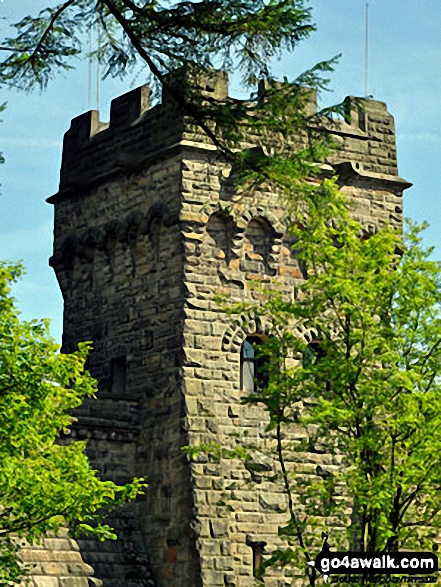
{"x":147,"y":231}
{"x":57,"y":562}
{"x":119,"y":265}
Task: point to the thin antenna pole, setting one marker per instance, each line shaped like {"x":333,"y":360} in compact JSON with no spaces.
{"x":98,"y":73}
{"x":366,"y":60}
{"x":89,"y":87}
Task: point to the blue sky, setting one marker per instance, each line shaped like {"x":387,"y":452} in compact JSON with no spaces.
{"x":405,"y":63}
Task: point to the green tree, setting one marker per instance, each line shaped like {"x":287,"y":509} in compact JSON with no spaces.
{"x":238,"y":35}
{"x":364,"y":383}
{"x":164,"y":35}
{"x":45,"y":483}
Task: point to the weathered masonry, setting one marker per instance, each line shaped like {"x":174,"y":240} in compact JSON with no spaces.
{"x":147,"y":232}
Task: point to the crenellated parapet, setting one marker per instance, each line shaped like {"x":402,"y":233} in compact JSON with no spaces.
{"x":137,"y":133}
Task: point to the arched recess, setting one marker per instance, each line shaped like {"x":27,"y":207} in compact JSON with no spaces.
{"x":133,"y":226}
{"x":157,"y":219}
{"x":266,"y":216}
{"x":218,"y":239}
{"x":111,"y":232}
{"x":257,"y":247}
{"x":158,"y":210}
{"x":90,"y":242}
{"x":289,"y":262}
{"x":133,"y":236}
{"x":244,"y":325}
{"x":307,"y":335}
{"x":76,"y":256}
{"x":69,"y":249}
{"x":249,"y":325}
{"x":155,"y":234}
{"x":312,"y":339}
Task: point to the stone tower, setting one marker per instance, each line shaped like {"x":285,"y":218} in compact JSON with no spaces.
{"x":147,"y":232}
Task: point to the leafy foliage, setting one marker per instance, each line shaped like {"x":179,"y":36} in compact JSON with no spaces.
{"x":236,"y":35}
{"x":45,"y":483}
{"x":363,"y":381}
{"x":248,"y":33}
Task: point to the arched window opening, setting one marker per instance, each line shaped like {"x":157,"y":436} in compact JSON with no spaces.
{"x":253,"y":365}
{"x":313,"y":353}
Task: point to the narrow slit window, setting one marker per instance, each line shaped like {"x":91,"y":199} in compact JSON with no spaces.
{"x":119,"y":374}
{"x":258,"y":549}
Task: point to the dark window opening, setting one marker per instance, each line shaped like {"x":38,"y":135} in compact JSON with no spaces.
{"x":258,"y":548}
{"x":362,"y":119}
{"x":253,"y":365}
{"x":119,"y":374}
{"x":313,"y":352}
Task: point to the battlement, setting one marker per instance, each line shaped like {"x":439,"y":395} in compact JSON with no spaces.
{"x":129,"y":108}
{"x":137,"y":132}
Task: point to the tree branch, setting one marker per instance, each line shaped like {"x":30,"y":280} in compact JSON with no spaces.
{"x":187,"y":108}
{"x":405,"y":504}
{"x":132,"y":6}
{"x":430,"y":353}
{"x":54,"y":18}
{"x":288,"y":489}
{"x":24,"y":523}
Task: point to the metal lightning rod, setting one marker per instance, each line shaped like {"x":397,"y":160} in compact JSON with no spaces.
{"x":366,"y":60}
{"x":98,"y":71}
{"x":89,"y":87}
